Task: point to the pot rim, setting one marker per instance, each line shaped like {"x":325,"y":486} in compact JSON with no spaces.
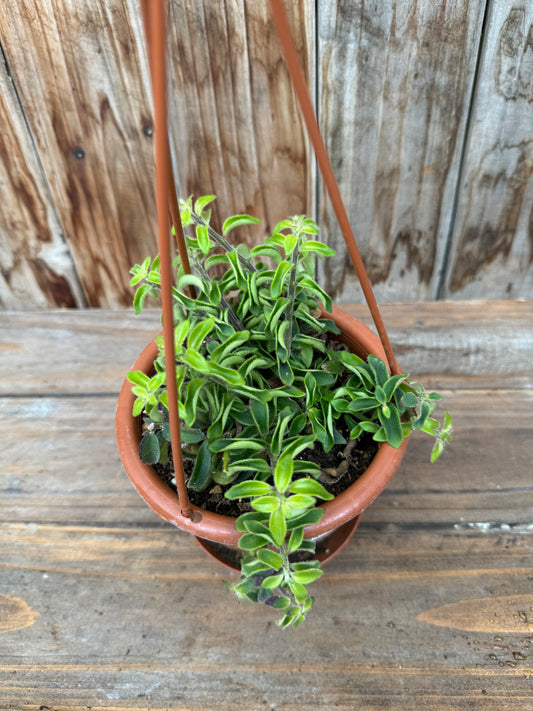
{"x":216,"y":527}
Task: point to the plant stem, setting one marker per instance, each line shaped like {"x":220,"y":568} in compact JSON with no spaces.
{"x":291,"y":295}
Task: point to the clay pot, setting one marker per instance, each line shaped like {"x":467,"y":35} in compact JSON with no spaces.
{"x":340,"y":513}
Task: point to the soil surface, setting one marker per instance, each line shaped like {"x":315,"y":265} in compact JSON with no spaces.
{"x":343,"y":465}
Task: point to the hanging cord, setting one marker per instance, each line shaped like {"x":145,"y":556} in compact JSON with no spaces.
{"x":313,"y":131}
{"x":154,"y":13}
{"x":172,"y":197}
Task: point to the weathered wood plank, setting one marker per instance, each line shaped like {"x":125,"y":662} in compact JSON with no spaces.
{"x":77,"y":72}
{"x":235,"y":126}
{"x":477,"y":344}
{"x":376,"y":637}
{"x":483,"y":478}
{"x":493,"y":239}
{"x":102,"y":605}
{"x":395,"y":86}
{"x":35,"y":264}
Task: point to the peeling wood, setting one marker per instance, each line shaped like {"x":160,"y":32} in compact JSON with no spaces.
{"x":395,"y":86}
{"x":492,"y":249}
{"x":36,"y":266}
{"x":86,"y":117}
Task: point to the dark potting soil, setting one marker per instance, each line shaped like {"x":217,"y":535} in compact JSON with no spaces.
{"x":341,"y":467}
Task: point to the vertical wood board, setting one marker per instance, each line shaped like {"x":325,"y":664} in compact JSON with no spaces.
{"x":395,"y":86}
{"x":77,"y":71}
{"x":235,"y":125}
{"x":492,"y":250}
{"x":36,"y":265}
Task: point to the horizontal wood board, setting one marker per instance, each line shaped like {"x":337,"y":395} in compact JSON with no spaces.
{"x":450,"y":344}
{"x":102,"y":605}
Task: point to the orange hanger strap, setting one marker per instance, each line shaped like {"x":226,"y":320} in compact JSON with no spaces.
{"x":172,"y":197}
{"x":313,"y":131}
{"x":154,"y":12}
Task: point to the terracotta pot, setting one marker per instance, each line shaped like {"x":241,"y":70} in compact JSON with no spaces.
{"x":221,"y":529}
{"x":327,"y":547}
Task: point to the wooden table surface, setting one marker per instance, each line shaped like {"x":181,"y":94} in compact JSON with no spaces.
{"x":102,"y":605}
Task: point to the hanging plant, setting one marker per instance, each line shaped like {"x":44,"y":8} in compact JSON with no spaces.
{"x":262,"y":385}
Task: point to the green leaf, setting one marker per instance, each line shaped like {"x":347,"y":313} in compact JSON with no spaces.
{"x":254,"y":465}
{"x":317,"y":248}
{"x":304,"y":577}
{"x":281,"y":603}
{"x":296,"y":539}
{"x":222,"y":445}
{"x":299,"y":444}
{"x":189,"y":436}
{"x":272,"y":582}
{"x":314,"y":288}
{"x":238,"y":221}
{"x":298,"y":590}
{"x":195,"y":360}
{"x":199,"y":333}
{"x":244,"y":519}
{"x":251,"y":542}
{"x":270,"y":558}
{"x":437,"y":450}
{"x":231,"y":377}
{"x":140,"y":295}
{"x":203,"y":202}
{"x":202,"y":235}
{"x":425,"y":411}
{"x":190,"y":280}
{"x":392,"y":426}
{"x":362,"y":404}
{"x":266,"y":251}
{"x":409,"y":399}
{"x":191,"y":401}
{"x":379,"y":368}
{"x":240,"y":277}
{"x":278,"y":526}
{"x":283,"y":473}
{"x":248,"y":489}
{"x":391,"y":385}
{"x":291,"y":241}
{"x":229,"y":345}
{"x":282,"y":270}
{"x":200,"y":478}
{"x":279,"y":307}
{"x":181,"y":332}
{"x":137,"y":377}
{"x":307,"y":519}
{"x":149,"y":449}
{"x":258,"y":528}
{"x":260,"y":414}
{"x":265,"y":504}
{"x":301,"y":501}
{"x":312,"y":487}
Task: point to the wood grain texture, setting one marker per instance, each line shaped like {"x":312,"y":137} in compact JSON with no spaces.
{"x":395,"y":87}
{"x":77,"y":71}
{"x":448,"y":345}
{"x":35,"y":263}
{"x":235,"y":125}
{"x":492,"y":249}
{"x":130,"y":614}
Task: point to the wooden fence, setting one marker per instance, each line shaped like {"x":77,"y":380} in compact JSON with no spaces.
{"x":425,"y":106}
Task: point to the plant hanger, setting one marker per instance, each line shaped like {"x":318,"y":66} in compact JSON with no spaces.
{"x":153,"y":12}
